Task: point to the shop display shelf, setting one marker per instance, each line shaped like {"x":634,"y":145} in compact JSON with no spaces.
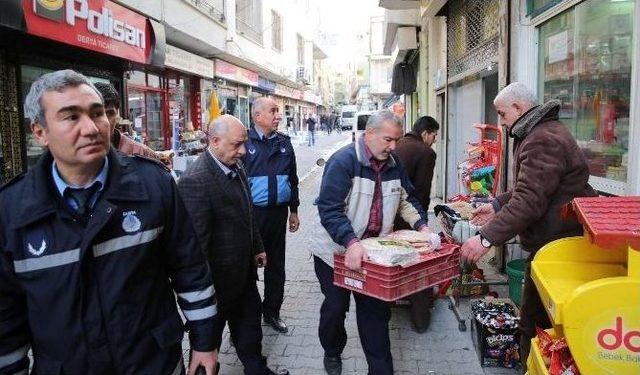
{"x":564,"y":265}
{"x":590,"y":287}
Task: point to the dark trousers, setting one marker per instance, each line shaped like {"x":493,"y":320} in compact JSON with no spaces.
{"x":372,"y":317}
{"x":532,"y":314}
{"x":272,"y":222}
{"x":243,"y":316}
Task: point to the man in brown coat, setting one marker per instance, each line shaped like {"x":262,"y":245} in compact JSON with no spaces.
{"x":419,"y":160}
{"x":549,"y":170}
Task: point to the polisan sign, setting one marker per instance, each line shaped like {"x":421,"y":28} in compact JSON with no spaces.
{"x":97,"y":25}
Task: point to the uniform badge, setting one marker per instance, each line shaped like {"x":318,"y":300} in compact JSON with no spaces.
{"x":41,"y":249}
{"x":130,"y":222}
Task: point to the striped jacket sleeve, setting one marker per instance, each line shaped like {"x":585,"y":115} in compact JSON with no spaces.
{"x":14,"y":330}
{"x":191,"y":276}
{"x":334,"y":189}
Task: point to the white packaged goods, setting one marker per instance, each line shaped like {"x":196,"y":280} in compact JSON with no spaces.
{"x":464,"y":209}
{"x":421,"y":241}
{"x":389,"y":252}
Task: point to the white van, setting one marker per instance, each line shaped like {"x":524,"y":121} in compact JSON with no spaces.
{"x":348,"y":115}
{"x":361,"y":119}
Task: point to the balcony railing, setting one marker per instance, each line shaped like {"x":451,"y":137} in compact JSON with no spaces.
{"x":212,"y":8}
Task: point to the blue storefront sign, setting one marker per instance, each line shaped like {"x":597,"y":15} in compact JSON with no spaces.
{"x":266,"y":85}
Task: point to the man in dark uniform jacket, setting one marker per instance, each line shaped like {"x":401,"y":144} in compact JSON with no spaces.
{"x":216,"y":193}
{"x":419,"y":160}
{"x":93,"y":245}
{"x":271,"y":168}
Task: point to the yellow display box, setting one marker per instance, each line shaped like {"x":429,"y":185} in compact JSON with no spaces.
{"x":562,"y":266}
{"x":592,"y":296}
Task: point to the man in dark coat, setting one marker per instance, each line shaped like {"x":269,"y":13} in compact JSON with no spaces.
{"x":549,"y":170}
{"x":93,"y":246}
{"x":270,"y":163}
{"x":419,"y":160}
{"x":217,"y":196}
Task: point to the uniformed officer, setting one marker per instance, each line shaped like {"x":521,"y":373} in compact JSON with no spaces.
{"x":271,"y":168}
{"x":92,"y":246}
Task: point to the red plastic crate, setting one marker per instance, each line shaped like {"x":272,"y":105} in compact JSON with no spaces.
{"x":395,"y":282}
{"x":611,"y":222}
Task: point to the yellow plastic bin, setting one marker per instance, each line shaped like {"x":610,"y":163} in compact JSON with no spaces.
{"x":590,"y":287}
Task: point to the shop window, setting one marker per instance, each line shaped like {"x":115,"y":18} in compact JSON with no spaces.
{"x":585,"y":62}
{"x":145,"y":111}
{"x":153,"y":80}
{"x":153,"y":103}
{"x":138,"y":78}
{"x":535,"y":7}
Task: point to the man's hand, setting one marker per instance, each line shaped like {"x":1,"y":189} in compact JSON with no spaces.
{"x":354,"y":257}
{"x":472,"y":250}
{"x":261,"y":259}
{"x":207,"y":360}
{"x":481,"y":215}
{"x":294,"y":222}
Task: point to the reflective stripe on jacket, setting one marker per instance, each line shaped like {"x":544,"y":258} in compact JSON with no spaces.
{"x":271,"y":170}
{"x":99,"y":298}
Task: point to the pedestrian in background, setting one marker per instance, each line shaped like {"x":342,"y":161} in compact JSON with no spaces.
{"x":549,"y":170}
{"x":93,"y":245}
{"x":311,"y":129}
{"x":216,"y":194}
{"x":270,"y":164}
{"x":120,"y":141}
{"x":419,"y":160}
{"x":353,"y":205}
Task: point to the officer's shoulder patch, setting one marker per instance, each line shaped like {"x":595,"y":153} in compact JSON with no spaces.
{"x":12,"y":181}
{"x":152,"y":160}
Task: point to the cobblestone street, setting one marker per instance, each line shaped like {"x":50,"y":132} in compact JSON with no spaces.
{"x":443,"y":349}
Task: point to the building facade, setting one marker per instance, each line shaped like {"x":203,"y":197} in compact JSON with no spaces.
{"x":181,"y":55}
{"x":583,"y":53}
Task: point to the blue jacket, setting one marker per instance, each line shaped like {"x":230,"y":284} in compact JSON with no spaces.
{"x":346,"y":195}
{"x":99,"y":299}
{"x":271,"y":168}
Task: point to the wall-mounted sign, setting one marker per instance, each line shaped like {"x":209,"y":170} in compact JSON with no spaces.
{"x":266,"y":85}
{"x":188,"y":62}
{"x":97,"y":25}
{"x":235,"y":73}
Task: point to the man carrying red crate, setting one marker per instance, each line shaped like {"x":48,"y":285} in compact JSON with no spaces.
{"x":363,"y":187}
{"x":549,"y":170}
